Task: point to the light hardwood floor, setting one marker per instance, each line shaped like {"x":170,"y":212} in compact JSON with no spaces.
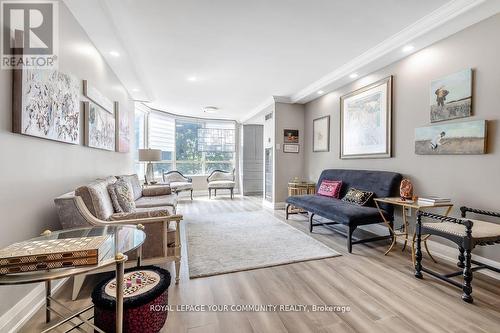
{"x":381,"y":291}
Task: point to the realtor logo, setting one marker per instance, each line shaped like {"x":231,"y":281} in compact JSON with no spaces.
{"x":29,"y":34}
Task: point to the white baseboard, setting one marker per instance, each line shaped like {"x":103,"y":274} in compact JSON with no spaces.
{"x":275,"y":205}
{"x":15,"y":318}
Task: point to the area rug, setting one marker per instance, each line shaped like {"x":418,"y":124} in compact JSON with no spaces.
{"x":231,"y":242}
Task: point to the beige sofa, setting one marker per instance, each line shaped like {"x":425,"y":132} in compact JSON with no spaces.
{"x":91,"y":205}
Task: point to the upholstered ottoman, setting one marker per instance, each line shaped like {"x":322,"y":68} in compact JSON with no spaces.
{"x":145,"y":300}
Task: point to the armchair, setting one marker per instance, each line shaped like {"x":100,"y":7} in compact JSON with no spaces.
{"x":90,"y":205}
{"x":467,"y":234}
{"x":220,"y":179}
{"x":178,"y":182}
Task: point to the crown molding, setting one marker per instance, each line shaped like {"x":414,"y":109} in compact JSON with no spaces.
{"x":264,"y":105}
{"x":454,"y":16}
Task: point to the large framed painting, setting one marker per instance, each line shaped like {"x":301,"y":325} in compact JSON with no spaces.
{"x":464,"y":138}
{"x":321,"y":134}
{"x":122,"y":129}
{"x":46,"y":105}
{"x":99,"y":127}
{"x":451,"y":96}
{"x":365,"y":121}
{"x":97,"y":97}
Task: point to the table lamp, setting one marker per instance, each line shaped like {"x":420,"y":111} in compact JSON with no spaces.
{"x":149,"y":155}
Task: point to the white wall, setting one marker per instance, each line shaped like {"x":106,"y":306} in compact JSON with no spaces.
{"x":468,"y":180}
{"x":34,"y":171}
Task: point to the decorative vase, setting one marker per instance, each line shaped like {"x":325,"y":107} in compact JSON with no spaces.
{"x":406,"y":189}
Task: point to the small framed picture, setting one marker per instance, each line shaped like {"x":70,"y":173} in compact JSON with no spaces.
{"x":321,"y":134}
{"x":291,"y":136}
{"x":290,"y":148}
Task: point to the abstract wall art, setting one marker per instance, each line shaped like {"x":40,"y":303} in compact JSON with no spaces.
{"x":464,"y":138}
{"x":451,"y":96}
{"x":122,"y":130}
{"x":365,"y":121}
{"x":321,"y":134}
{"x":46,"y":105}
{"x":99,"y":127}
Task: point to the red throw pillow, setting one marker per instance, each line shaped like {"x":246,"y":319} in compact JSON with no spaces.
{"x":330,"y":188}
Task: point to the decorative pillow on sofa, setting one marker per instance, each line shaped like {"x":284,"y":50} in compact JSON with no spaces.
{"x":122,"y":196}
{"x":330,"y":188}
{"x":156,"y":190}
{"x":358,"y":197}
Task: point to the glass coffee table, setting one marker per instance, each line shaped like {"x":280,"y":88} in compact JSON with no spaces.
{"x":124,"y":238}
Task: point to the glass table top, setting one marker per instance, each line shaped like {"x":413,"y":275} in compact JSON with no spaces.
{"x":121,"y":239}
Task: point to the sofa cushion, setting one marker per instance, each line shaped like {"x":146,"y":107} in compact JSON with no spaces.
{"x":96,"y":197}
{"x":181,"y":186}
{"x":133,"y":180}
{"x":221,"y":184}
{"x":358,"y":197}
{"x":122,"y":196}
{"x":157,"y":201}
{"x":337,"y":210}
{"x":330,"y":188}
{"x":156,"y":190}
{"x":140,"y":213}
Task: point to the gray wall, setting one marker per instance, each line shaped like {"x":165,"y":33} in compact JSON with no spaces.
{"x":468,"y":180}
{"x":288,"y":165}
{"x":34,"y":171}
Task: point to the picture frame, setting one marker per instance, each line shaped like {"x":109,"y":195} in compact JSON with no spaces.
{"x":97,"y":97}
{"x":122,"y":129}
{"x":366,"y":121}
{"x":451,"y":96}
{"x":321,"y":134}
{"x":290,"y":136}
{"x":291,"y":148}
{"x":100,"y":127}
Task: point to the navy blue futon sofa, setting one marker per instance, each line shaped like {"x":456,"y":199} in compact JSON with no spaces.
{"x":382,"y":183}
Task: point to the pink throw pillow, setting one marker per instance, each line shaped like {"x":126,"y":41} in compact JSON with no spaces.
{"x":330,"y":188}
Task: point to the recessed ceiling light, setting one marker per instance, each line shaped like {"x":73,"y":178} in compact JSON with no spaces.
{"x":210,"y":109}
{"x":136,"y":90}
{"x":354,"y":75}
{"x":192,"y":79}
{"x":114,"y":53}
{"x":408,"y":48}
{"x":320,"y":92}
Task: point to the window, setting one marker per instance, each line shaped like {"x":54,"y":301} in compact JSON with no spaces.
{"x":191,"y":146}
{"x":162,"y":136}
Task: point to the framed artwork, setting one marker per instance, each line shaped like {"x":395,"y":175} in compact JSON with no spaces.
{"x":465,"y":138}
{"x":365,"y":121}
{"x":291,"y":148}
{"x":95,"y":95}
{"x":122,"y":130}
{"x":321,"y":134}
{"x":46,"y":105}
{"x":451,"y":96}
{"x":291,"y":136}
{"x":99,"y":127}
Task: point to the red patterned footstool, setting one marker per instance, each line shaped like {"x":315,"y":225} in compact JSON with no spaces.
{"x":145,"y":300}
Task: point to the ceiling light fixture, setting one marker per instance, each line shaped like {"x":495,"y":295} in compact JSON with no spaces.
{"x":114,"y":53}
{"x":210,"y":109}
{"x":408,"y":48}
{"x":320,"y":92}
{"x":354,"y":75}
{"x":192,"y":79}
{"x":136,"y":90}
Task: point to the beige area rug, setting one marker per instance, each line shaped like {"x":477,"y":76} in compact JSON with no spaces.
{"x":231,"y":242}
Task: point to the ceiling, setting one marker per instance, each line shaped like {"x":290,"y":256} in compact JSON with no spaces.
{"x":181,"y":56}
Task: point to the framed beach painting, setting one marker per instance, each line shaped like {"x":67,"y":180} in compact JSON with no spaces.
{"x":99,"y":127}
{"x":451,"y":96}
{"x":464,"y":138}
{"x":46,"y":105}
{"x":321,"y":134}
{"x":365,"y":121}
